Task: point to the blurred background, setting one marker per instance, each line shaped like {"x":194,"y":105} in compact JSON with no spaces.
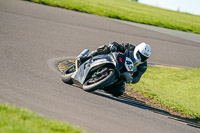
{"x":188,"y":6}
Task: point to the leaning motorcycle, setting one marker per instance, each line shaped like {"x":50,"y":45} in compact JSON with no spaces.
{"x":101,"y":71}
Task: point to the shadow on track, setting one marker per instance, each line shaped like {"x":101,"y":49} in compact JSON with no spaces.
{"x":133,"y":102}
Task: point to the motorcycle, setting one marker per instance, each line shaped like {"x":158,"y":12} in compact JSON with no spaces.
{"x":101,"y":71}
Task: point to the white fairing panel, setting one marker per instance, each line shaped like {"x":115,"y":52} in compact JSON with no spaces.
{"x":129,"y":64}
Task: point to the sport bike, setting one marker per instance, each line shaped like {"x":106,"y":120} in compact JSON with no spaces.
{"x":101,"y":71}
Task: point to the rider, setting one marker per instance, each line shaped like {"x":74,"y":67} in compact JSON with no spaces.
{"x":140,"y":52}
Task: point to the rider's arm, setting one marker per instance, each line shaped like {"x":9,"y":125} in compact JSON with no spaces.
{"x":140,"y":70}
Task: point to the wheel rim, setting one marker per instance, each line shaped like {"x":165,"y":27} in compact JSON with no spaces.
{"x":71,"y":69}
{"x":98,"y":76}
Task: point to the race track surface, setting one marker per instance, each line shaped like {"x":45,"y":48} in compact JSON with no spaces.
{"x":33,"y":37}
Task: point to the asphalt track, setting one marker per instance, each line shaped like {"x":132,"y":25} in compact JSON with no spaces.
{"x":33,"y":37}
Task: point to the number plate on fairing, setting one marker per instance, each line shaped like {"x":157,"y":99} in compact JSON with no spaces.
{"x":129,"y":64}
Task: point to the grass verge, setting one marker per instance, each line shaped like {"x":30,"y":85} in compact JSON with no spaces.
{"x":131,"y":11}
{"x":176,"y":88}
{"x":20,"y":120}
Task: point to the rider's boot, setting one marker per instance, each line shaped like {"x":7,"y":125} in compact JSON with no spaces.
{"x":83,"y":54}
{"x":77,"y":63}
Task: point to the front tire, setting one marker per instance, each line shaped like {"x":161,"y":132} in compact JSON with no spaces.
{"x":100,"y":84}
{"x":116,"y":89}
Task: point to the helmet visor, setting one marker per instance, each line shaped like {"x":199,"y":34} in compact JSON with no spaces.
{"x":143,"y":58}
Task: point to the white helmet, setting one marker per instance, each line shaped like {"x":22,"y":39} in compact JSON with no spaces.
{"x":142,"y":50}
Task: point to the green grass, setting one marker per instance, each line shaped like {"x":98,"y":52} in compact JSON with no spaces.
{"x":131,"y":11}
{"x":178,"y":89}
{"x":20,"y":120}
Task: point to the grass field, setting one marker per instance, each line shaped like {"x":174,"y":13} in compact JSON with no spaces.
{"x":131,"y":11}
{"x":177,"y":88}
{"x":20,"y":120}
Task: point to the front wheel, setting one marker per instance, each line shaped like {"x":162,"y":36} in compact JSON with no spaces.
{"x":99,"y":80}
{"x":117,"y":89}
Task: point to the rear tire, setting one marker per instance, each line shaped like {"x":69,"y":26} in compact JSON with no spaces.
{"x":100,"y":84}
{"x":66,"y":77}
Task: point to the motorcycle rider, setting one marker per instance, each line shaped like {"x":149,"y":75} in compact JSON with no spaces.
{"x":141,"y":53}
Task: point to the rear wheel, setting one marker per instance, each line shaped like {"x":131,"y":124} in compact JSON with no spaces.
{"x":66,"y":76}
{"x":99,"y":79}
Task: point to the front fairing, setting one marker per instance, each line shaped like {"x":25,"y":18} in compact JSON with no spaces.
{"x":136,"y":62}
{"x":80,"y":76}
{"x":120,"y":59}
